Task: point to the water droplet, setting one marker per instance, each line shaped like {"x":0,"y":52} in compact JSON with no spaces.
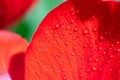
{"x":82,"y":57}
{"x":39,"y":49}
{"x":81,"y":75}
{"x":72,"y":9}
{"x":67,"y":27}
{"x":74,"y":38}
{"x":85,"y":46}
{"x":117,"y":42}
{"x":90,"y":45}
{"x":111,"y":69}
{"x":58,"y":55}
{"x":79,"y":43}
{"x":94,"y":68}
{"x":90,"y":59}
{"x":101,"y":38}
{"x":88,"y":70}
{"x":66,"y":43}
{"x":55,"y":35}
{"x":73,"y":53}
{"x":78,"y":35}
{"x":96,"y":60}
{"x":74,"y":48}
{"x":61,"y":36}
{"x":118,"y":50}
{"x":100,"y":48}
{"x":104,"y":52}
{"x":75,"y":29}
{"x":94,"y":29}
{"x":85,"y":31}
{"x":100,"y":69}
{"x":71,"y":21}
{"x":64,"y":78}
{"x":57,"y":25}
{"x":111,"y":56}
{"x":60,"y":63}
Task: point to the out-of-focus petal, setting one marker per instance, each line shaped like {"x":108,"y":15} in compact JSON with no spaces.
{"x":11,"y":10}
{"x":76,"y":41}
{"x":12,"y":49}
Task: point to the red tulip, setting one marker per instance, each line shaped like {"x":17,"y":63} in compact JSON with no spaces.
{"x":12,"y":50}
{"x":11,"y":10}
{"x":78,"y":40}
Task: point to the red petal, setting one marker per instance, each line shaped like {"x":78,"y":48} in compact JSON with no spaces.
{"x":76,"y":42}
{"x":11,"y":10}
{"x":11,"y":46}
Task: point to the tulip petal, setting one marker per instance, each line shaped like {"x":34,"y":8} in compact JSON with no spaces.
{"x":76,"y":42}
{"x":11,"y":10}
{"x":12,"y":49}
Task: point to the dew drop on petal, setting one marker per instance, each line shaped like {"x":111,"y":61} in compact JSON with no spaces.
{"x":73,"y":53}
{"x":104,"y":52}
{"x":75,"y":29}
{"x":110,"y":69}
{"x":100,"y":48}
{"x":90,"y":45}
{"x":94,"y":68}
{"x":71,"y":21}
{"x":111,"y":56}
{"x":79,"y":43}
{"x":117,"y":42}
{"x":100,"y":69}
{"x":57,"y":25}
{"x":67,"y":27}
{"x":85,"y":31}
{"x":90,"y":59}
{"x":96,"y":59}
{"x":82,"y":57}
{"x":61,"y":36}
{"x":74,"y":48}
{"x":118,"y":50}
{"x":66,"y":43}
{"x":94,"y":29}
{"x":88,"y":70}
{"x":85,"y":46}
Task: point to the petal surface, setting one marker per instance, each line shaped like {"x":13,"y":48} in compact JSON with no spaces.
{"x":11,"y":10}
{"x":76,"y":41}
{"x":12,"y":46}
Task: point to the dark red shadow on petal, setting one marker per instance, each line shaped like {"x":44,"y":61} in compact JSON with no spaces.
{"x":16,"y":67}
{"x":108,"y":16}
